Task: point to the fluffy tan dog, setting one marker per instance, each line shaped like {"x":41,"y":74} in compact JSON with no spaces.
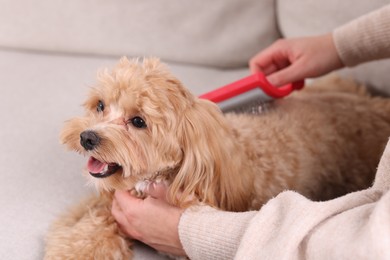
{"x":142,"y":125}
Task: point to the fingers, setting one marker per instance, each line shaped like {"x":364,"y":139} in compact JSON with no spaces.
{"x":122,"y":210}
{"x":120,"y":217}
{"x":287,"y":75}
{"x":116,"y":211}
{"x":263,"y":62}
{"x":150,"y":220}
{"x":118,"y":214}
{"x":281,"y":72}
{"x":270,"y":59}
{"x":125,"y":200}
{"x":276,"y":62}
{"x":157,"y":190}
{"x":291,"y":60}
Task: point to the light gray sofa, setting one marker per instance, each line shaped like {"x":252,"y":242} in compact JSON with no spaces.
{"x":50,"y":51}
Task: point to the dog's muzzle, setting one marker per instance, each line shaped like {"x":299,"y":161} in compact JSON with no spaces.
{"x":89,"y":140}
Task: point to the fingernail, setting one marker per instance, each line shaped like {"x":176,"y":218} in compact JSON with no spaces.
{"x":150,"y":187}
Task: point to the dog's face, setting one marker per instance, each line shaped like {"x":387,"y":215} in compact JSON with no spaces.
{"x":130,"y":128}
{"x":142,"y":124}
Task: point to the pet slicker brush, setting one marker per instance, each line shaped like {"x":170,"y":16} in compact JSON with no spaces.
{"x":249,"y":93}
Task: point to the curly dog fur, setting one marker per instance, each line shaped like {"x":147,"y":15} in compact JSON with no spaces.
{"x":141,"y":124}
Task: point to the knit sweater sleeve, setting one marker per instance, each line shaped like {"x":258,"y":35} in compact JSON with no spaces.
{"x":365,"y":39}
{"x":207,"y":233}
{"x":290,"y":226}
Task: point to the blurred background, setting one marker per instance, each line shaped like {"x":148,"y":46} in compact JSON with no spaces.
{"x":51,"y":50}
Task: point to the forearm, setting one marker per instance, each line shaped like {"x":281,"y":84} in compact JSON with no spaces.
{"x":290,"y":226}
{"x":364,"y":39}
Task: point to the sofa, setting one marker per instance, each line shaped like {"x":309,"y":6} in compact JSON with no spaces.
{"x":51,"y":50}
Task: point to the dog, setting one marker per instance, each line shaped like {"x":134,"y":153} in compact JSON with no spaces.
{"x":142,"y":125}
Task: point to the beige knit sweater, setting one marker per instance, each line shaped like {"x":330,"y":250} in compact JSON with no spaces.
{"x":355,"y":226}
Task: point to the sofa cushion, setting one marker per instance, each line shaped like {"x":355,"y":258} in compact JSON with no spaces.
{"x":221,"y":33}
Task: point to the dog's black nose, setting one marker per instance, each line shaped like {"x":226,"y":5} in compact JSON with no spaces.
{"x":89,"y":140}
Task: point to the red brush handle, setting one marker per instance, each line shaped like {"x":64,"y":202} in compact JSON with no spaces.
{"x":248,"y":83}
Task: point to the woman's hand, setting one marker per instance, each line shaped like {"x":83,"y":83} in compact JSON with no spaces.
{"x":291,"y":60}
{"x":151,"y":220}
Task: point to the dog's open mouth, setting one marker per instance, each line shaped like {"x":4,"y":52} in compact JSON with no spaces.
{"x":100,"y":169}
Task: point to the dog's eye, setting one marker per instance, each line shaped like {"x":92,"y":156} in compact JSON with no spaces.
{"x":100,"y":106}
{"x":138,"y":122}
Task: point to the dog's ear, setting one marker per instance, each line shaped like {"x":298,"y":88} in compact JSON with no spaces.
{"x":210,"y":170}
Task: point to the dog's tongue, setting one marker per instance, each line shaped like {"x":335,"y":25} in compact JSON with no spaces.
{"x":95,"y":166}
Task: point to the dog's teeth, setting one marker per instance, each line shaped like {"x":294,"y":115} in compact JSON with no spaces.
{"x":105,"y":168}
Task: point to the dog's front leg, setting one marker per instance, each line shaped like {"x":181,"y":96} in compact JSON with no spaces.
{"x":88,"y":231}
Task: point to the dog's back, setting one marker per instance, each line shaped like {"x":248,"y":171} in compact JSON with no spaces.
{"x":321,"y":142}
